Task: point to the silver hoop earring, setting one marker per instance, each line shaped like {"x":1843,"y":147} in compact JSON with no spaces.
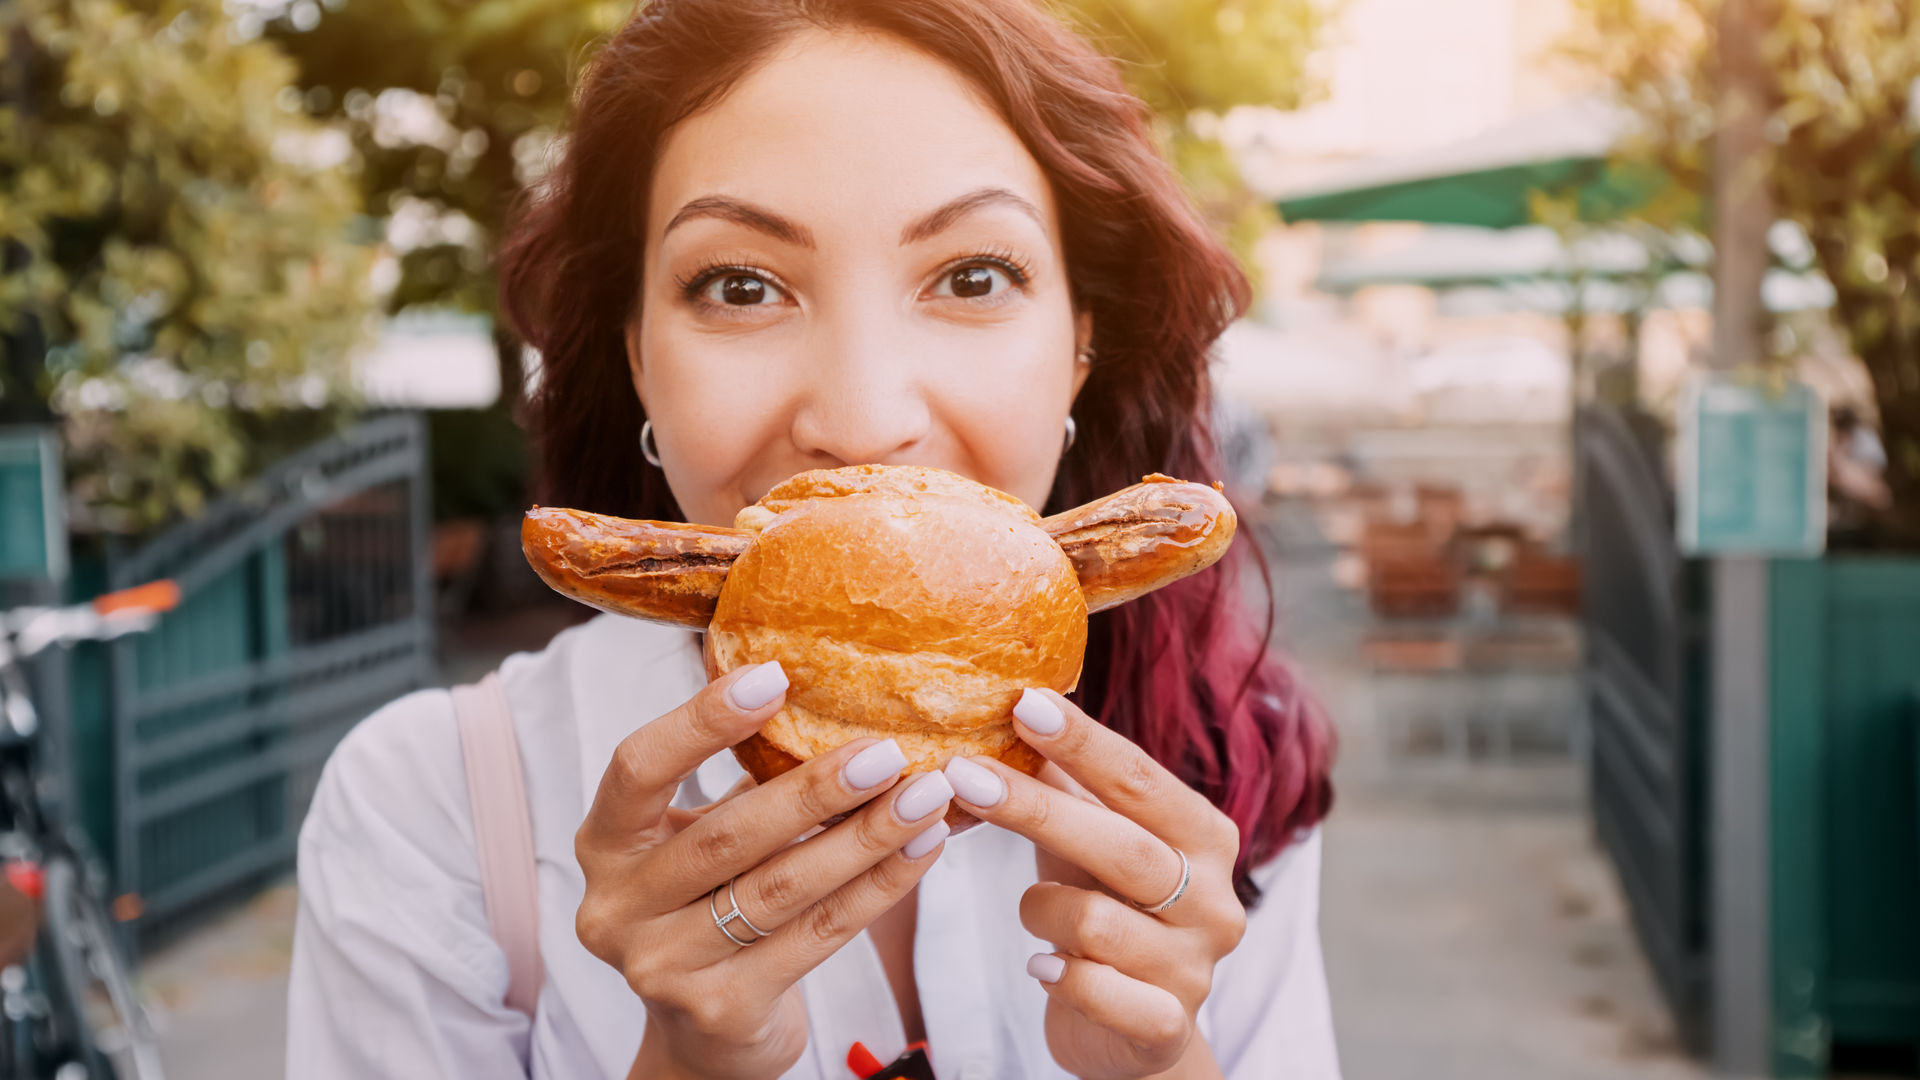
{"x":647,"y":448}
{"x":1072,"y":431}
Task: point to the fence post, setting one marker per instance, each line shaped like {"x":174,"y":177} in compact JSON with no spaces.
{"x":1738,"y":917}
{"x":420,"y":521}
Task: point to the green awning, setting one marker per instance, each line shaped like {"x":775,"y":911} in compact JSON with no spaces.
{"x":1488,"y":179}
{"x":1497,"y":198}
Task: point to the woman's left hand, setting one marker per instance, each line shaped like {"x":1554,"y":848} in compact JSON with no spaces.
{"x":1123,"y":985}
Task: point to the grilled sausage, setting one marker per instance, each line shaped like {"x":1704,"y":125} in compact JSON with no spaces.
{"x":1142,"y":537}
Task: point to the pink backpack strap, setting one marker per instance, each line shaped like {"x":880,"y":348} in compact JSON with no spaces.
{"x":502,"y":833}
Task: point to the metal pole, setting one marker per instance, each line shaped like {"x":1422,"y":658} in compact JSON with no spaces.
{"x":1740,"y":912}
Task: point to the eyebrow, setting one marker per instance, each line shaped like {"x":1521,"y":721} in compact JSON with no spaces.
{"x":762,"y":220}
{"x":950,"y":213}
{"x":746,"y":214}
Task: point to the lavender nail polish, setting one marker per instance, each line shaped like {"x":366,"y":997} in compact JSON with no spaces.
{"x":975,"y":783}
{"x":922,"y":797}
{"x":928,"y":839}
{"x":761,"y":684}
{"x":1039,"y":712}
{"x":874,"y":766}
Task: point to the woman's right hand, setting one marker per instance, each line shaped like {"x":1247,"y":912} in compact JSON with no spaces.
{"x":715,"y":1008}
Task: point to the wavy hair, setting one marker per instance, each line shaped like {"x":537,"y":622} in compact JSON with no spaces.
{"x":1185,"y":672}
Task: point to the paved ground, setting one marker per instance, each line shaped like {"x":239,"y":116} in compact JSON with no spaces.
{"x":1472,"y":931}
{"x":221,"y":993}
{"x":1483,"y":938}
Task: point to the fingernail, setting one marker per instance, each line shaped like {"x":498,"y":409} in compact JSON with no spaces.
{"x":1046,"y":967}
{"x":761,"y":684}
{"x":873,"y":766}
{"x":974,"y":783}
{"x":928,"y":839}
{"x":922,"y":797}
{"x":1037,"y":711}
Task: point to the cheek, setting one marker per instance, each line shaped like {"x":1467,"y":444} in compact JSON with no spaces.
{"x":710,"y":422}
{"x":1005,"y":404}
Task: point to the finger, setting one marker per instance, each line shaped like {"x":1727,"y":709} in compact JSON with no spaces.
{"x":775,"y":892}
{"x":1120,"y":853}
{"x":1054,"y":776}
{"x":679,"y":818}
{"x":1120,"y":774}
{"x":649,"y":764}
{"x":1090,"y":924}
{"x":819,"y":931}
{"x":1095,"y":926}
{"x":747,"y":829}
{"x":1152,"y":1021}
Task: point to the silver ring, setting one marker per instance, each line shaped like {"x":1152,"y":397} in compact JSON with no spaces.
{"x":1186,"y":875}
{"x":720,"y":921}
{"x":741,"y":915}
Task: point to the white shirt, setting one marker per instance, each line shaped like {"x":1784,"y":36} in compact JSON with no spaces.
{"x":395,"y":973}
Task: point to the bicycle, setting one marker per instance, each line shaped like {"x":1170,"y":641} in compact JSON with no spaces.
{"x":68,"y":1009}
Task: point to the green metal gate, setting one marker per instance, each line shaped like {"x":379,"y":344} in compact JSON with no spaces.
{"x":306,"y":605}
{"x":1645,"y":672}
{"x":1845,"y":861}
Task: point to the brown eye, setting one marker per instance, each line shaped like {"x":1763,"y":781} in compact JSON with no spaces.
{"x":971,"y":282}
{"x":742,"y":291}
{"x":737,"y":288}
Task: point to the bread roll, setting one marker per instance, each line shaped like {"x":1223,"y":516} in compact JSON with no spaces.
{"x":902,"y":602}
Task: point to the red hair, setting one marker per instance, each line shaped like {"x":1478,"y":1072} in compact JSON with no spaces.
{"x":1185,"y":672}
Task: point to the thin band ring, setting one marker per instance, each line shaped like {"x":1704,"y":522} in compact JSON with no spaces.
{"x":720,"y":921}
{"x":1186,"y":875}
{"x":741,"y":915}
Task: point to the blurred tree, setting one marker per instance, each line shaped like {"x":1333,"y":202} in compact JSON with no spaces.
{"x":1192,"y":61}
{"x":1843,"y":121}
{"x":179,"y":237}
{"x":454,"y":105}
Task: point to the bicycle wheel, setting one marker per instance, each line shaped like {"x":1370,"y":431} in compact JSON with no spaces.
{"x":114,"y":1027}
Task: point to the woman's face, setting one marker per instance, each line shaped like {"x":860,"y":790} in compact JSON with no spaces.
{"x":851,"y":259}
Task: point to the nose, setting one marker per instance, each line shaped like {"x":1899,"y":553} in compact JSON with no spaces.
{"x":863,"y":402}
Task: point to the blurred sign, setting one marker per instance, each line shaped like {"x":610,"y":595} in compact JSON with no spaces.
{"x":33,"y":537}
{"x":1752,"y":464}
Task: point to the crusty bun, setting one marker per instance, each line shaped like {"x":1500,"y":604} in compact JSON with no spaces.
{"x":902,"y":602}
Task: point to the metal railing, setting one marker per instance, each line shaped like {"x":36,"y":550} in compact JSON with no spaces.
{"x":1639,"y":605}
{"x":307,"y":604}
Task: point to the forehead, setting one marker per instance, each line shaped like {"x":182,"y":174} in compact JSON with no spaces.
{"x":845,"y":128}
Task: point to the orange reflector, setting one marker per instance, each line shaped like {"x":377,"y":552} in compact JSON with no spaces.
{"x":160,"y":595}
{"x":127,"y":907}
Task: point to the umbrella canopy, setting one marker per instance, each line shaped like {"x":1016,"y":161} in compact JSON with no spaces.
{"x":1487,"y":180}
{"x":1532,"y":269}
{"x":1457,"y":255}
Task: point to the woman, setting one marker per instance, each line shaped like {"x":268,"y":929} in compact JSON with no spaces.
{"x":793,"y":234}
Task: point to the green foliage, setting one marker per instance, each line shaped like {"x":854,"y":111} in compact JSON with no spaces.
{"x":1841,"y":119}
{"x":1193,"y":60}
{"x":1180,"y":56}
{"x":189,"y":259}
{"x":451,"y":105}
